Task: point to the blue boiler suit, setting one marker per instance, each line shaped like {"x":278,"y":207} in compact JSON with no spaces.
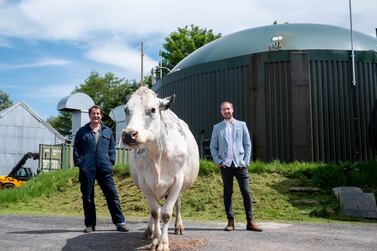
{"x":95,"y":160}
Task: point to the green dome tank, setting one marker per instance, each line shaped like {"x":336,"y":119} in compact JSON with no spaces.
{"x":279,"y":37}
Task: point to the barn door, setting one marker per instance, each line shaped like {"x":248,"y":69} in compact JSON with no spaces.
{"x":280,"y":106}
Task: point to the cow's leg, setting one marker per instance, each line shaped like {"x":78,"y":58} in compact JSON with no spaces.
{"x":154,"y":223}
{"x":148,"y":232}
{"x":167,"y":211}
{"x":178,"y":219}
{"x":156,"y":232}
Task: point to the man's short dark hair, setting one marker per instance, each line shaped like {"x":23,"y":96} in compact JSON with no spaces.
{"x":224,"y":102}
{"x":95,"y":107}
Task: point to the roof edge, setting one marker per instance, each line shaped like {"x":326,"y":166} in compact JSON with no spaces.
{"x":35,"y":115}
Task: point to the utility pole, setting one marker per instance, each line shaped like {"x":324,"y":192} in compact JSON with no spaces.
{"x":355,"y":97}
{"x":352,"y":50}
{"x":142,"y":64}
{"x":160,"y":52}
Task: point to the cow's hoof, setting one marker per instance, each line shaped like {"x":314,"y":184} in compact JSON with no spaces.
{"x":154,"y":245}
{"x":163,"y":247}
{"x":179,"y":230}
{"x":147,"y":234}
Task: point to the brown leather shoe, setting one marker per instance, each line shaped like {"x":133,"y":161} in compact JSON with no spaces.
{"x":252,"y":226}
{"x":230,"y":226}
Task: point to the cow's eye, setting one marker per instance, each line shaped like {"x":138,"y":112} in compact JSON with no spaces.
{"x":127,"y":111}
{"x":153,"y":110}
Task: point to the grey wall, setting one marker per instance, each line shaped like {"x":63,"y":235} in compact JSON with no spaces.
{"x":79,"y":119}
{"x":21,"y":132}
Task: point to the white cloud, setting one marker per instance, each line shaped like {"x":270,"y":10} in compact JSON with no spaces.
{"x":110,"y":28}
{"x":53,"y":91}
{"x":113,"y":29}
{"x":120,"y":55}
{"x":40,"y":63}
{"x":35,"y":90}
{"x":87,"y":19}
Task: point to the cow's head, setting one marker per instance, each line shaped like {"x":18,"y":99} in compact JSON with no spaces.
{"x":143,"y":117}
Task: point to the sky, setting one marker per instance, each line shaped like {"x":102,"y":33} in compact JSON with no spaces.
{"x":49,"y":47}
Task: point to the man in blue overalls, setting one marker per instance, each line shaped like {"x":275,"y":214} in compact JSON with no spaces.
{"x":94,"y":154}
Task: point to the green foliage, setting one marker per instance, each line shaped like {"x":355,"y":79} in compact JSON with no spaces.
{"x":5,"y":100}
{"x":295,"y":169}
{"x":121,"y":170}
{"x":208,"y":167}
{"x":329,"y":176}
{"x":204,"y":199}
{"x":362,"y":174}
{"x":62,"y":123}
{"x":59,"y":192}
{"x":108,"y":91}
{"x":148,"y":81}
{"x":45,"y":184}
{"x":179,"y":44}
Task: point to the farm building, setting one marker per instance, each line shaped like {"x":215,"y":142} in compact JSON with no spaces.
{"x":118,"y":115}
{"x":22,"y":130}
{"x":291,"y":83}
{"x":78,"y":105}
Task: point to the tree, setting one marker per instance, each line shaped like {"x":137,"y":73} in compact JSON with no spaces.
{"x":62,"y":123}
{"x":5,"y":101}
{"x":179,"y":44}
{"x":107,"y":91}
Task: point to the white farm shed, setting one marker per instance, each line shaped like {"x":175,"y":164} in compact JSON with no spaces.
{"x":118,"y":115}
{"x":78,"y":104}
{"x":22,"y":130}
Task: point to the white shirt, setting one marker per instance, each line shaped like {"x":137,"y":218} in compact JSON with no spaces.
{"x":229,"y":138}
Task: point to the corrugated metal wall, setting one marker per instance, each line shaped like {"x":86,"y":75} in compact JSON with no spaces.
{"x":299,"y":105}
{"x":199,"y":95}
{"x":21,"y":132}
{"x":341,"y":111}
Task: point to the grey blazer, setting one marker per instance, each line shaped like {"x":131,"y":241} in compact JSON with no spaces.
{"x":241,"y":142}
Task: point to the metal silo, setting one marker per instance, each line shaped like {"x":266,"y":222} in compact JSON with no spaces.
{"x":291,"y":83}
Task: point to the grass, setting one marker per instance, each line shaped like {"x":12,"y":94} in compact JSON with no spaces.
{"x":58,"y":193}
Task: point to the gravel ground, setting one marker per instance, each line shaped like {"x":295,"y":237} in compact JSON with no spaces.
{"x":65,"y":233}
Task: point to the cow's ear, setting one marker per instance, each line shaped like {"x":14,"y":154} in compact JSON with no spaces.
{"x":166,"y":102}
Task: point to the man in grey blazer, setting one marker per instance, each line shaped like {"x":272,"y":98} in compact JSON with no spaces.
{"x":231,"y":150}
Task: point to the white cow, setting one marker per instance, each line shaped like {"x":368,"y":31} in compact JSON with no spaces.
{"x":164,"y":160}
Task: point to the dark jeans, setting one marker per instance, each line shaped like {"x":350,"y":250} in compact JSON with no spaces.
{"x":106,"y":183}
{"x":242,"y":176}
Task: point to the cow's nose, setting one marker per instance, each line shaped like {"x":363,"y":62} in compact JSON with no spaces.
{"x":129,"y":137}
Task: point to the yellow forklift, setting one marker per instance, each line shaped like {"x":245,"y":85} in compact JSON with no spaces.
{"x":19,"y":174}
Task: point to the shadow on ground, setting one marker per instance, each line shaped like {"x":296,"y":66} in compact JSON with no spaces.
{"x":129,"y":241}
{"x":46,"y":231}
{"x":107,"y":241}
